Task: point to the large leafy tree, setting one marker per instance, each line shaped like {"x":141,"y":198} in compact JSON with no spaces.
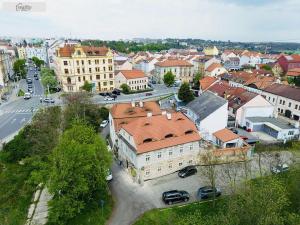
{"x":87,"y":86}
{"x":38,"y":62}
{"x":48,"y":78}
{"x":79,"y":165}
{"x":20,"y":68}
{"x":125,"y":88}
{"x":169,"y":79}
{"x":196,"y":80}
{"x":185,"y":93}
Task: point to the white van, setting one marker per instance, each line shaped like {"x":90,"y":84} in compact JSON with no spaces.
{"x":27,"y":95}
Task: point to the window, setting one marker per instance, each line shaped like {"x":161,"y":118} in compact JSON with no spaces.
{"x":98,"y":77}
{"x":147,"y":157}
{"x":89,"y":62}
{"x":66,"y":71}
{"x":96,"y":61}
{"x":190,"y":161}
{"x":283,"y":102}
{"x":83,"y":71}
{"x":170,"y":152}
{"x":170,"y":166}
{"x":191,"y":147}
{"x":290,"y":104}
{"x":109,"y":60}
{"x":79,"y":79}
{"x":105,"y":83}
{"x":280,"y":102}
{"x":296,"y":106}
{"x":77,"y":62}
{"x":78,"y":52}
{"x":159,"y":169}
{"x":83,"y":78}
{"x":91,"y":77}
{"x":65,"y":63}
{"x":78,"y":70}
{"x":147,"y":172}
{"x":82,"y":62}
{"x":111,"y":82}
{"x":97,"y":69}
{"x":111,"y":75}
{"x":110,"y":68}
{"x":181,"y":148}
{"x":273,"y":99}
{"x":104,"y":76}
{"x":180,"y":164}
{"x":159,"y":155}
{"x":90,"y":70}
{"x":104,"y":68}
{"x":103,"y":60}
{"x":291,"y":133}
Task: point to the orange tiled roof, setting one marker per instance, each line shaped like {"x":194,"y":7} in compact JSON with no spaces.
{"x":132,"y":74}
{"x":206,"y":82}
{"x":225,"y":135}
{"x":161,"y":132}
{"x":174,"y":62}
{"x":68,"y":50}
{"x":295,"y":72}
{"x":213,"y":66}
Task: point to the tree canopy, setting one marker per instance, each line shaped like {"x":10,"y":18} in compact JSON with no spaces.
{"x":125,"y":88}
{"x":185,"y":93}
{"x":87,"y":86}
{"x":169,"y":79}
{"x":20,"y":68}
{"x":48,"y":78}
{"x":196,"y":80}
{"x":38,"y":62}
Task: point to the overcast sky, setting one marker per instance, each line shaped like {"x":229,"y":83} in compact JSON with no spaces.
{"x":235,"y":20}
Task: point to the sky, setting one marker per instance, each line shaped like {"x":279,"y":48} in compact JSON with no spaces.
{"x":235,"y":20}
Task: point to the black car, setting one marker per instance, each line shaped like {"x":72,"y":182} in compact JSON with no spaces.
{"x":36,"y":78}
{"x":174,"y":196}
{"x":208,"y":192}
{"x":116,"y":92}
{"x":187,"y":171}
{"x":29,"y":81}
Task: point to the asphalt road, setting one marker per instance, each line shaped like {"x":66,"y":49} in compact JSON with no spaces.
{"x":15,"y":114}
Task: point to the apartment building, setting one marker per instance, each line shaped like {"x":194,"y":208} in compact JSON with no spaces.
{"x":155,"y":146}
{"x":135,"y":79}
{"x":76,"y":64}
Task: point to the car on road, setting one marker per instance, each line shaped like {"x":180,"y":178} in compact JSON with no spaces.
{"x":108,"y":98}
{"x":208,"y":192}
{"x":175,"y":196}
{"x":148,"y":94}
{"x":116,"y":92}
{"x":27,"y":96}
{"x":36,"y":78}
{"x":29,"y":85}
{"x":30,"y":90}
{"x":187,"y":171}
{"x":49,"y":100}
{"x":109,"y":176}
{"x":281,"y":168}
{"x":104,"y":123}
{"x":29,"y":81}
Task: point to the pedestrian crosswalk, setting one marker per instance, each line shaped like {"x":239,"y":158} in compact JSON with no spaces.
{"x":19,"y":111}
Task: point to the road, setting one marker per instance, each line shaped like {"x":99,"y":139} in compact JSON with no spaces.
{"x":15,"y":114}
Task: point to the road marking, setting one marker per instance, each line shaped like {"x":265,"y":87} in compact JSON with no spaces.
{"x":14,"y":120}
{"x":23,"y":120}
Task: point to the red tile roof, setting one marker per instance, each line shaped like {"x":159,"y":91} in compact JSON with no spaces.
{"x":132,"y":74}
{"x":206,"y":82}
{"x":213,"y":66}
{"x":174,"y":63}
{"x":284,"y":91}
{"x":158,"y":132}
{"x":68,"y":50}
{"x":225,"y":135}
{"x":293,"y":72}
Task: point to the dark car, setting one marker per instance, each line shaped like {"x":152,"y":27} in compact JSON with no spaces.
{"x":116,"y":92}
{"x":187,"y":171}
{"x":174,"y":196}
{"x":29,"y":81}
{"x":36,"y":78}
{"x":148,"y":94}
{"x":208,"y":192}
{"x":29,"y":85}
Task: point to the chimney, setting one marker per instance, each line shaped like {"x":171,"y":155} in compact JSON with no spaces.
{"x":163,"y":112}
{"x":149,"y":114}
{"x":141,"y":104}
{"x":132,"y":104}
{"x":169,"y":116}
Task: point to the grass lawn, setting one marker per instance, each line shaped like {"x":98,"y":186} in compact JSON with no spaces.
{"x":93,"y":214}
{"x":174,"y":214}
{"x":15,"y":194}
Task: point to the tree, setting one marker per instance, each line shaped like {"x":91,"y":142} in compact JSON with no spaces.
{"x":185,"y":93}
{"x":196,"y":80}
{"x":125,"y":88}
{"x":104,"y":113}
{"x":87,"y":86}
{"x":38,"y":62}
{"x":267,"y":67}
{"x":169,"y":79}
{"x":20,"y":68}
{"x":79,"y":165}
{"x":48,"y":78}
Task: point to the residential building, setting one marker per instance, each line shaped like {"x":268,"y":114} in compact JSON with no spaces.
{"x":208,"y":112}
{"x":295,"y":72}
{"x":147,"y":65}
{"x":250,"y":59}
{"x":211,"y":51}
{"x":155,"y":146}
{"x":135,"y":79}
{"x":288,"y":62}
{"x":225,"y":138}
{"x":182,"y":69}
{"x":123,"y":64}
{"x":76,"y":64}
{"x":215,"y":69}
{"x":206,"y":82}
{"x":21,"y":52}
{"x":6,"y":67}
{"x":232,"y":63}
{"x":36,"y":51}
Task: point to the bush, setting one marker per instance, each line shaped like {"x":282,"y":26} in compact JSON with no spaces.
{"x":21,"y":92}
{"x":125,"y":88}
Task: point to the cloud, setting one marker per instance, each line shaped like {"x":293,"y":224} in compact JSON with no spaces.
{"x":114,"y":19}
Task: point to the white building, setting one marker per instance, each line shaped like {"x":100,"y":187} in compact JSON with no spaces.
{"x":123,"y":64}
{"x":155,"y":146}
{"x":214,"y":70}
{"x":135,"y":79}
{"x":250,"y":58}
{"x":209,"y":113}
{"x":147,"y":65}
{"x":39,"y":52}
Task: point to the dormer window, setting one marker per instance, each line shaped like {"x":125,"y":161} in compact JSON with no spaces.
{"x":147,"y":140}
{"x":189,"y":132}
{"x":169,"y":136}
{"x":78,"y":52}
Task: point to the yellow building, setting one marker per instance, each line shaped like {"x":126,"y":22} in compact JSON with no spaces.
{"x":76,"y":64}
{"x":21,"y":52}
{"x":211,"y":51}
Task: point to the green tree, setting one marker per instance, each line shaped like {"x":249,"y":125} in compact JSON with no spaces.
{"x":125,"y":88}
{"x":169,"y":79}
{"x":38,"y":62}
{"x":196,"y":80}
{"x":185,"y":93}
{"x":267,"y":67}
{"x":20,"y":68}
{"x":48,"y":78}
{"x":104,"y":113}
{"x":79,"y":165}
{"x":87,"y":86}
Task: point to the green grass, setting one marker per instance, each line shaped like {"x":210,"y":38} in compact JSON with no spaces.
{"x":15,"y":194}
{"x":173,"y":215}
{"x":92,"y":215}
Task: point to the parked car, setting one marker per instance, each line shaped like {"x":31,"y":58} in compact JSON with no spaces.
{"x":30,"y":90}
{"x":27,"y":96}
{"x":36,"y":78}
{"x":108,"y":98}
{"x":148,"y":94}
{"x":29,"y":81}
{"x":49,"y":100}
{"x":175,"y":196}
{"x":279,"y":168}
{"x":29,"y":85}
{"x":102,"y":94}
{"x":104,"y":123}
{"x":187,"y":171}
{"x":109,"y":176}
{"x":208,"y":192}
{"x":116,"y":92}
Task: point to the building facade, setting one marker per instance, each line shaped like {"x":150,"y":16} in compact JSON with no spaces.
{"x":76,"y":64}
{"x":135,"y":79}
